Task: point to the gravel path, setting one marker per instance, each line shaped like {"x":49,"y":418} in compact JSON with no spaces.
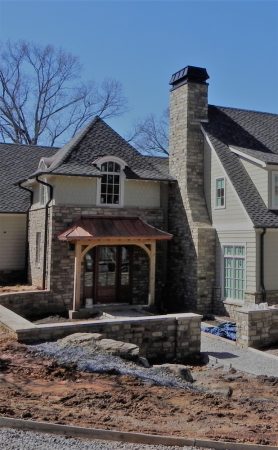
{"x":245,"y":360}
{"x":11,"y":439}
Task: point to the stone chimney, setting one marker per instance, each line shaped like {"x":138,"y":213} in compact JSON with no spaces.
{"x":193,"y":248}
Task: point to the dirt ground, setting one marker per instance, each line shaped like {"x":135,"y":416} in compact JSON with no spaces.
{"x":233,"y":407}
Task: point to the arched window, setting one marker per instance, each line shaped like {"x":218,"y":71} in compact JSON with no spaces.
{"x":110,"y":190}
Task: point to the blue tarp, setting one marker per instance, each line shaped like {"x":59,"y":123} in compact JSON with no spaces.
{"x":226,"y":330}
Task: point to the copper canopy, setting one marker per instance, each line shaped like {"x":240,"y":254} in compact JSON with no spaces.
{"x":103,"y":227}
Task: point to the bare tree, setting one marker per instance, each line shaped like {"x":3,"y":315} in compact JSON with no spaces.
{"x":150,"y":135}
{"x":42,"y":98}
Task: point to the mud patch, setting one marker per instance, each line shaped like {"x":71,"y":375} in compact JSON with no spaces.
{"x":37,"y":387}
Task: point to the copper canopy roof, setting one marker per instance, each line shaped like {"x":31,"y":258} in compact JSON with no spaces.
{"x":100,"y":227}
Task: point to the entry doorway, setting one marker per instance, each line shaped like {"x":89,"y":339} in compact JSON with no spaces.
{"x":108,"y":275}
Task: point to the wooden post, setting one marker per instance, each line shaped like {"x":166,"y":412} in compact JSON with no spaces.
{"x":152,"y":274}
{"x":77,"y":277}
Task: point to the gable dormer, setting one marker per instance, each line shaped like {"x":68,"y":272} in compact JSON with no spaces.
{"x":262,"y":168}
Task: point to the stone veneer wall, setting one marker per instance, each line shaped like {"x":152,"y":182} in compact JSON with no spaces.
{"x":167,"y":338}
{"x":140,"y":277}
{"x":60,"y":267}
{"x":32,"y":304}
{"x":36,"y":224}
{"x":257,"y":328}
{"x":192,"y":251}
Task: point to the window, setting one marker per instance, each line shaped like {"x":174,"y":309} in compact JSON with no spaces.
{"x":38,"y":247}
{"x":275,"y":190}
{"x":110,"y":185}
{"x":234,"y":271}
{"x":220,"y":193}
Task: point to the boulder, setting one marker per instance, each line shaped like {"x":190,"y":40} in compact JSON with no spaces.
{"x":93,"y":342}
{"x":118,"y":348}
{"x":179,"y":370}
{"x":79,"y":340}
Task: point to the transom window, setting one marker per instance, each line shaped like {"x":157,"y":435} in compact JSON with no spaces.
{"x":234,"y":271}
{"x":110,"y":183}
{"x":220,"y":193}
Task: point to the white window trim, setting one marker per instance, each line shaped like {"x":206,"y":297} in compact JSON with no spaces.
{"x":237,"y":244}
{"x":273,"y":175}
{"x":122,"y":164}
{"x":215,"y":193}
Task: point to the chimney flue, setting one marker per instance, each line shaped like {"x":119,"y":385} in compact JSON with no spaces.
{"x":189,"y":74}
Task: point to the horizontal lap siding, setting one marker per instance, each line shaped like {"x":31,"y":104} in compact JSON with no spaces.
{"x":271,"y":260}
{"x":233,"y":215}
{"x":232,"y":223}
{"x":259,"y":176}
{"x":247,"y":238}
{"x":12,"y":241}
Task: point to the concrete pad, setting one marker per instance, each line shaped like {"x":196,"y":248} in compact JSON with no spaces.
{"x":13,"y":321}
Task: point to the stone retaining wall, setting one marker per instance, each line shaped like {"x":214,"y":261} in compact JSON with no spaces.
{"x":257,"y":328}
{"x":167,"y":338}
{"x":233,"y":307}
{"x":32,"y":304}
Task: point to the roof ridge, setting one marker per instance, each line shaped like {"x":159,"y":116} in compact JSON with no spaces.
{"x":244,"y":109}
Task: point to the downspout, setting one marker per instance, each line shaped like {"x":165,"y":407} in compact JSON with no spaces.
{"x":27,"y":227}
{"x":262,"y":265}
{"x":45,"y":229}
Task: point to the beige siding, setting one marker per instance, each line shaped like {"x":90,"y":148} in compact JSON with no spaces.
{"x":74,"y":190}
{"x":259,"y":176}
{"x":233,"y":216}
{"x":142,"y":194}
{"x":12,"y":241}
{"x":247,"y":238}
{"x":82,"y":191}
{"x":271,"y":260}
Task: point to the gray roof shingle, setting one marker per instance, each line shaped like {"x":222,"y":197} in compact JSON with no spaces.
{"x":249,"y":130}
{"x":99,"y":139}
{"x":265,"y":157}
{"x":16,"y":162}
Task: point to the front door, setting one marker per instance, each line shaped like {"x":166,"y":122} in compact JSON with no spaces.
{"x":109,"y":269}
{"x":106,"y":274}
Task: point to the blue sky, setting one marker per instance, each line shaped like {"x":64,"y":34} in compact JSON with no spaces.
{"x":141,"y":43}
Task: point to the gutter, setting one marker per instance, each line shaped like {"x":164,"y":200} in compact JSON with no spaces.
{"x":262,"y":265}
{"x":45,"y":228}
{"x":27,"y":226}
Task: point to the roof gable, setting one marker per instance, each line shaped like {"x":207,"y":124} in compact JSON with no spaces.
{"x":251,"y":130}
{"x":98,"y":140}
